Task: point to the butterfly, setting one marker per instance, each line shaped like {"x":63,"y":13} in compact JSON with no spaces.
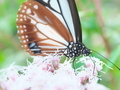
{"x":49,"y":26}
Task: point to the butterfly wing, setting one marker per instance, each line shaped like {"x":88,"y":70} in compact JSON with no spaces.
{"x":67,"y":13}
{"x":43,"y":29}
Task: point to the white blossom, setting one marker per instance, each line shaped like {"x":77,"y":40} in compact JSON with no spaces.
{"x":47,"y":73}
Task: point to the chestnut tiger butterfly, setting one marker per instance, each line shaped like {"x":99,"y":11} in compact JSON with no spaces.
{"x":49,"y":26}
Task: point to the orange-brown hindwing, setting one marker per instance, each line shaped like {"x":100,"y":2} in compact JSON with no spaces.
{"x":38,"y":24}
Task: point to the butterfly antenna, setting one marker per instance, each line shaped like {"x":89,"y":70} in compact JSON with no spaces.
{"x":107,"y":60}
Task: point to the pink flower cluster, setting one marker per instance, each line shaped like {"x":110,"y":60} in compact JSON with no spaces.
{"x":47,"y":73}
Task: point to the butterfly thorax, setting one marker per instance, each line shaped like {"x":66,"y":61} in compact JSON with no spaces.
{"x":76,"y":49}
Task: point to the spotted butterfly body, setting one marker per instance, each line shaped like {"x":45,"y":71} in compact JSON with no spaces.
{"x":49,"y":26}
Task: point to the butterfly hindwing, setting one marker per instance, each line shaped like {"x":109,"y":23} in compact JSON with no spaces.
{"x":37,"y":24}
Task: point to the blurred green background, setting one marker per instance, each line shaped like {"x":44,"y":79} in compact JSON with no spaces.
{"x":100,"y":21}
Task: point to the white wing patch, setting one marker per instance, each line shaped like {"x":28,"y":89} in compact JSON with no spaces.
{"x":50,"y":32}
{"x":54,"y":4}
{"x":35,"y":6}
{"x":66,"y":13}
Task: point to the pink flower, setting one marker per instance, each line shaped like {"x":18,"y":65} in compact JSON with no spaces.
{"x":47,"y":73}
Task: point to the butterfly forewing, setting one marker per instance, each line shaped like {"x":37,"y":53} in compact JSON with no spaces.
{"x":66,"y":11}
{"x":38,"y":26}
